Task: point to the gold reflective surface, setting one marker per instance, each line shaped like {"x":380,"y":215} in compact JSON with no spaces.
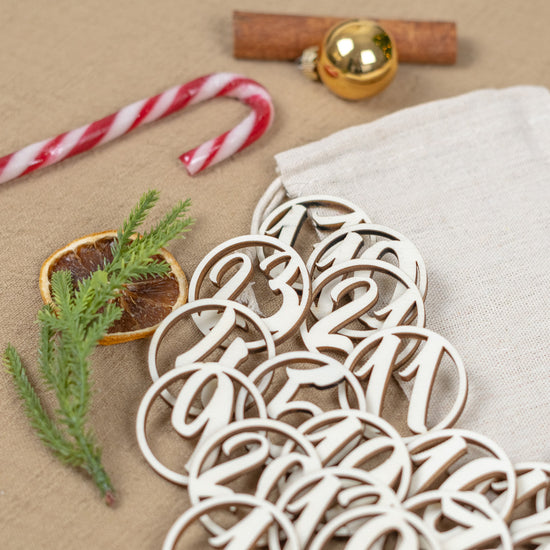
{"x":357,"y":59}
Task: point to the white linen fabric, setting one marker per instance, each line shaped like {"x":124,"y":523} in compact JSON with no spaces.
{"x":467,"y":179}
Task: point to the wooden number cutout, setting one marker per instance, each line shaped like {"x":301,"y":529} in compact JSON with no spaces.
{"x":331,"y":328}
{"x":371,"y":527}
{"x":223,"y":335}
{"x":230,"y":271}
{"x":475,"y":524}
{"x":285,"y":221}
{"x":263,"y":518}
{"x":318,"y":372}
{"x":318,"y":496}
{"x":376,"y":358}
{"x":355,"y":439}
{"x":217,"y":413}
{"x":326,"y":214}
{"x":462,"y":460}
{"x":246,"y":447}
{"x":369,"y":242}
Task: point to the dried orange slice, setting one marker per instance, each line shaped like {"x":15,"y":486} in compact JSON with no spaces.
{"x":145,"y":303}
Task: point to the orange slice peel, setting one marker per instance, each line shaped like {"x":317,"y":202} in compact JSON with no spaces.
{"x":145,"y":302}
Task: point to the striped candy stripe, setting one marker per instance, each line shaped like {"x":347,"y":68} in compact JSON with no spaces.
{"x":68,"y":144}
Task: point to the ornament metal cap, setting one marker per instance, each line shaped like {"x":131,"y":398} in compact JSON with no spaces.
{"x":308,"y":63}
{"x":357,"y":59}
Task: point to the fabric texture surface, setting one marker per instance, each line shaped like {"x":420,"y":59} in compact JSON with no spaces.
{"x":75,"y":62}
{"x":467,"y":180}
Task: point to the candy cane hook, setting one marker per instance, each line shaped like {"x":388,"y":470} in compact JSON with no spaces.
{"x":68,"y":144}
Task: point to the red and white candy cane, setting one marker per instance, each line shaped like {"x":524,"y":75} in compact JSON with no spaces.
{"x":50,"y":151}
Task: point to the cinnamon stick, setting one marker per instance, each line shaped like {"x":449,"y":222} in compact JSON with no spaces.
{"x":283,"y":37}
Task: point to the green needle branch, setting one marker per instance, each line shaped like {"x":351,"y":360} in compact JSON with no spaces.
{"x":70,"y":330}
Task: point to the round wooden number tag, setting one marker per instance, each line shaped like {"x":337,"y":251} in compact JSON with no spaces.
{"x":245,"y":532}
{"x":461,"y":460}
{"x":318,"y":496}
{"x":369,"y":242}
{"x":301,"y":382}
{"x":348,"y":305}
{"x":217,"y":412}
{"x":465,"y":520}
{"x":376,"y":527}
{"x":249,"y":449}
{"x":326,"y":213}
{"x":375,"y":359}
{"x":356,"y":439}
{"x":228,"y":271}
{"x":234,"y":323}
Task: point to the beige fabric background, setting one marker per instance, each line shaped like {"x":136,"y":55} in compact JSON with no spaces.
{"x":474,"y":200}
{"x":67,"y":63}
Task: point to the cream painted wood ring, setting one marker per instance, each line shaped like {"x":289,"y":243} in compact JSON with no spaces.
{"x":476,"y":522}
{"x":316,"y":497}
{"x":213,"y":468}
{"x":244,"y":534}
{"x":230,"y":270}
{"x":325,"y":212}
{"x":371,"y":527}
{"x":281,"y":383}
{"x":369,"y":242}
{"x":334,"y":327}
{"x":215,"y":415}
{"x":355,"y":439}
{"x":231,"y":314}
{"x":452,"y":460}
{"x":375,"y":359}
{"x":286,"y":220}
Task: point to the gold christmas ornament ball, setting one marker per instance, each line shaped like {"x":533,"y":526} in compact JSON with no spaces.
{"x":357,"y":59}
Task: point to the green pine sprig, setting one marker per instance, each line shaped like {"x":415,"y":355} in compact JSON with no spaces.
{"x":71,"y":328}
